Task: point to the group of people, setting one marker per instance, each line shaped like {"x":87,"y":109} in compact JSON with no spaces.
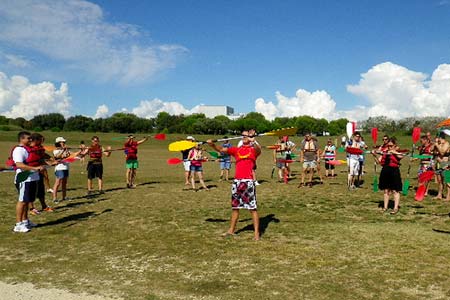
{"x":30,"y":161}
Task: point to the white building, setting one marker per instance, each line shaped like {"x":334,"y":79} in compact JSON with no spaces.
{"x":212,"y":111}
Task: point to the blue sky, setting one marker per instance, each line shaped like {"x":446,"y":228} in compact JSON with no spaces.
{"x":234,"y":52}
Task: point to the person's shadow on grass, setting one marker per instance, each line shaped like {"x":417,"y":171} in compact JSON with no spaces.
{"x":75,"y":217}
{"x":263,"y":224}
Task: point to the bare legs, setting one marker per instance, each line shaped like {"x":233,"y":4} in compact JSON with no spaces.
{"x":63,"y":183}
{"x":131,"y":177}
{"x":21,"y":211}
{"x":235,"y":218}
{"x":386,"y":197}
{"x":90,"y":185}
{"x":200,"y":178}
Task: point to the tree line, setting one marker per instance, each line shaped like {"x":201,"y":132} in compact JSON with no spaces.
{"x":200,"y":124}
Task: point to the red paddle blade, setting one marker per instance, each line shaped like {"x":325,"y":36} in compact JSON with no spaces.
{"x":426,"y":176}
{"x":334,"y":162}
{"x":374,"y":135}
{"x":273,"y":147}
{"x":356,"y":151}
{"x":420,"y":193}
{"x":70,"y":160}
{"x":160,"y":136}
{"x":416,"y":134}
{"x":174,"y":161}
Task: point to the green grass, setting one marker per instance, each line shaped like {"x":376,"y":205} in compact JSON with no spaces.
{"x":160,"y":242}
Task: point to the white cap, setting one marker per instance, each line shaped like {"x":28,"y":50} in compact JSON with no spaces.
{"x":60,"y":139}
{"x":190,"y":137}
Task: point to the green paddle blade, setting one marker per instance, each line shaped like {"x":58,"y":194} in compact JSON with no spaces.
{"x":375,"y":184}
{"x":22,"y":176}
{"x":447,"y":176}
{"x":422,"y":156}
{"x":405,"y":187}
{"x":293,"y":155}
{"x":118,"y":138}
{"x":213,"y":154}
{"x":341,"y":149}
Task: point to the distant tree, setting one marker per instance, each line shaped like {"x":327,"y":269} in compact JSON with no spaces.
{"x":337,"y":127}
{"x":3,"y":120}
{"x":78,"y":123}
{"x":49,"y":121}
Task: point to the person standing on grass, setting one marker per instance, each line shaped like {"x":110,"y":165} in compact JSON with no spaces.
{"x":27,"y":189}
{"x":95,"y":163}
{"x":442,"y":150}
{"x":82,"y":159}
{"x":290,"y":148}
{"x":354,"y":160}
{"x":38,"y":157}
{"x":225,"y":161}
{"x":329,"y":155}
{"x":309,"y":157}
{"x":243,"y":189}
{"x":187,"y":162}
{"x":390,"y":179}
{"x":62,"y":169}
{"x":280,"y":157}
{"x":425,"y":163}
{"x":131,"y":150}
{"x":196,"y":158}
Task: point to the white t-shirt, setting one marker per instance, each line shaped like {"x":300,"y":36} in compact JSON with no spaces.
{"x":61,"y":166}
{"x":20,"y":155}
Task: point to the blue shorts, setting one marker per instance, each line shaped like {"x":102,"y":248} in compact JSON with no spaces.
{"x":61,"y":174}
{"x":196,"y":168}
{"x":27,"y":191}
{"x":225,"y":165}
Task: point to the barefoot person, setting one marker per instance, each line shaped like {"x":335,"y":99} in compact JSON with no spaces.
{"x":95,"y":164}
{"x":27,"y":189}
{"x":329,"y":154}
{"x":243,"y":189}
{"x":279,"y":159}
{"x":425,"y":163}
{"x":196,"y":158}
{"x":225,"y":161}
{"x":442,"y":150}
{"x":61,"y":169}
{"x":354,"y":160}
{"x":131,"y":150}
{"x":390,"y":178}
{"x":308,"y":157}
{"x":187,"y":162}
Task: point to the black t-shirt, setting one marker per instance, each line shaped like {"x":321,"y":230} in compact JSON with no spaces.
{"x":185,"y":153}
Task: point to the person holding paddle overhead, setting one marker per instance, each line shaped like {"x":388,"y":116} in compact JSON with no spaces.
{"x":95,"y":163}
{"x":131,"y":160}
{"x":27,"y":189}
{"x":442,"y":150}
{"x":196,"y":158}
{"x":243,"y":189}
{"x":390,"y":178}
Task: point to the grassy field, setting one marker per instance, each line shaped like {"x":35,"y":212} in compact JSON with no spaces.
{"x":162,"y":242}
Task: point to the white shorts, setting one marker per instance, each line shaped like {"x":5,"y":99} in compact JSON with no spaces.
{"x":353,"y":167}
{"x":187,"y":165}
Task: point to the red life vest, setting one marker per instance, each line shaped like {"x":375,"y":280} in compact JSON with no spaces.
{"x":35,"y":156}
{"x":390,"y":160}
{"x":95,"y":153}
{"x":131,"y":150}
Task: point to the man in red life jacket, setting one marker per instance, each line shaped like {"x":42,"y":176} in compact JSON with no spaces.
{"x":95,"y":163}
{"x":131,"y":163}
{"x":27,"y":189}
{"x":243,"y":190}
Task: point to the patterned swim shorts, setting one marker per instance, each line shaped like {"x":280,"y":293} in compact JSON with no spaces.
{"x":243,"y":194}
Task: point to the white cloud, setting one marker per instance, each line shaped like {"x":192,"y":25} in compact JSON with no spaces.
{"x":102,"y":112}
{"x":75,"y":33}
{"x":20,"y":98}
{"x":151,"y":108}
{"x":398,"y":92}
{"x":318,"y":104}
{"x":391,"y":90}
{"x":15,"y":60}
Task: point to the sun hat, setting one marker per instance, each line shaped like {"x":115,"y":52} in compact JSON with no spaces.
{"x":60,"y":139}
{"x":190,"y":137}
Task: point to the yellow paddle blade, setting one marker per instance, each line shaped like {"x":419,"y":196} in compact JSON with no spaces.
{"x":343,"y":161}
{"x":282,"y":132}
{"x":49,"y":148}
{"x":181,"y":146}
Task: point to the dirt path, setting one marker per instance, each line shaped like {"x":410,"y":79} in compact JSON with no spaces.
{"x":26,"y":291}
